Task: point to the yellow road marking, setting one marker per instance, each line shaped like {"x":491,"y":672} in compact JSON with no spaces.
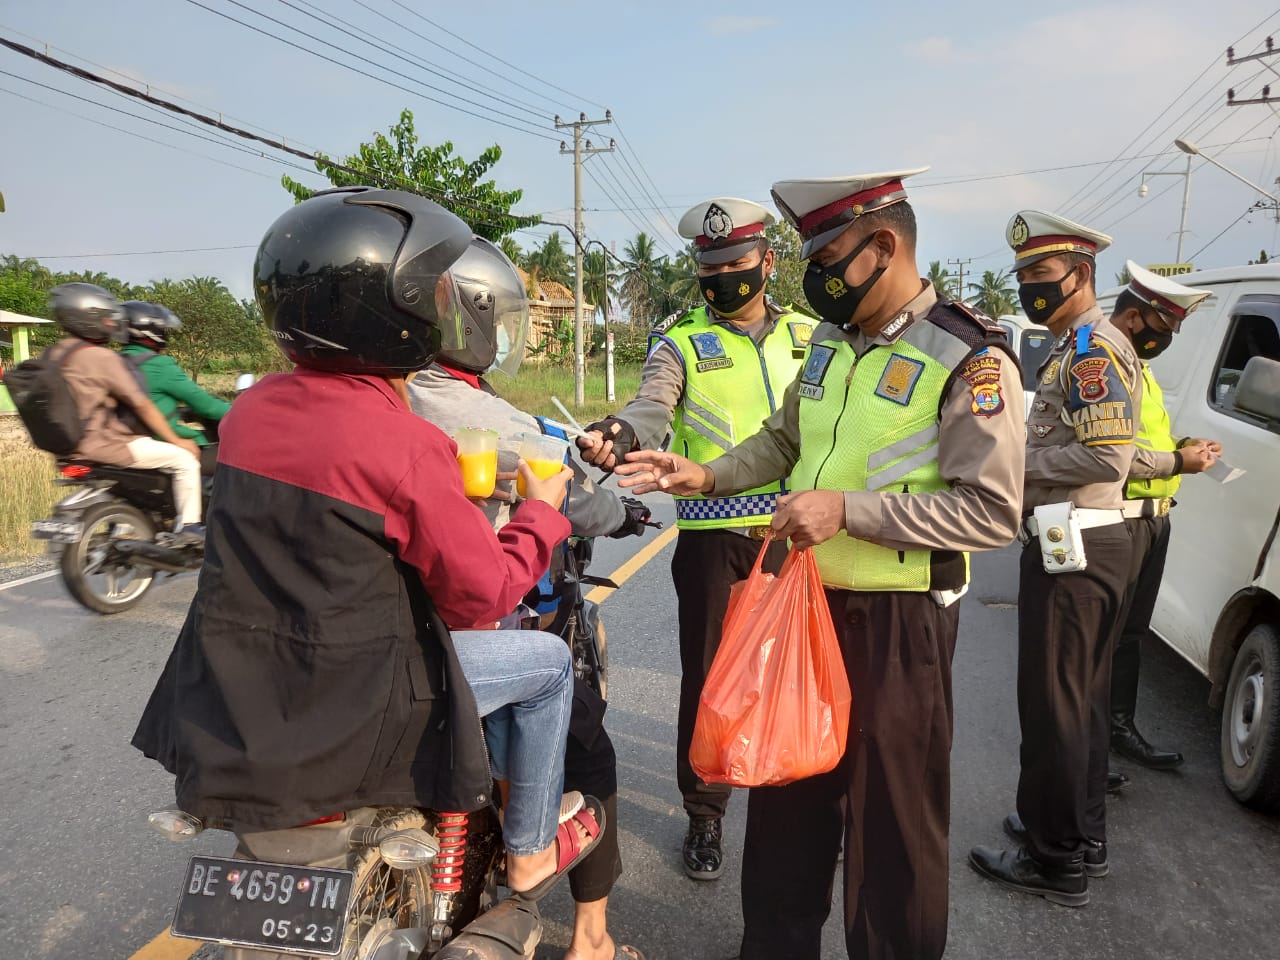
{"x":629,"y":569}
{"x":168,"y":947}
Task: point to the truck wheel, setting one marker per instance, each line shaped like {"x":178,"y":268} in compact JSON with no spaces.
{"x":1250,"y":743}
{"x":96,"y":578}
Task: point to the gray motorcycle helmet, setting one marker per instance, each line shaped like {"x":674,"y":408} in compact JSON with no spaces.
{"x":87,"y":311}
{"x":149,"y":324}
{"x":493,"y":307}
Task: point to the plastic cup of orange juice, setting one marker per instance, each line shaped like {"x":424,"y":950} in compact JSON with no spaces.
{"x":544,"y":454}
{"x":478,"y":459}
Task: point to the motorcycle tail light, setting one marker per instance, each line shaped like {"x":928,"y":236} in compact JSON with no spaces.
{"x":75,"y":471}
{"x":408,"y":849}
{"x":175,"y":824}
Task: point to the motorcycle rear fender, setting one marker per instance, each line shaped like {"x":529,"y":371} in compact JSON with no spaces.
{"x":81,"y":499}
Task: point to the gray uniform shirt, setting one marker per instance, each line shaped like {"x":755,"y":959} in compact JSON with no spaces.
{"x":979,"y":455}
{"x":1083,"y":419}
{"x":451,"y":403}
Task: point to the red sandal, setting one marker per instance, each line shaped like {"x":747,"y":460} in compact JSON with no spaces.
{"x":571,"y":849}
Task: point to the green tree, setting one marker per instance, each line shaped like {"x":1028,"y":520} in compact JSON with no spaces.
{"x":941,"y":279}
{"x":551,"y":261}
{"x":214,"y":323}
{"x":512,"y":249}
{"x":1123,"y":277}
{"x":39,"y":276}
{"x":995,"y":297}
{"x":641,"y":280}
{"x":678,"y":289}
{"x":599,"y":279}
{"x":399,"y":162}
{"x":786,"y":286}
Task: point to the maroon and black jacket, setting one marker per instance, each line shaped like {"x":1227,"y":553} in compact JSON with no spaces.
{"x":315,"y":672}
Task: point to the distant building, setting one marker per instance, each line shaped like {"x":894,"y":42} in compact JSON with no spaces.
{"x":550,"y":303}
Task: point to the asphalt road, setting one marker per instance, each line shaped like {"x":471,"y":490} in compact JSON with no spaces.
{"x":81,"y":875}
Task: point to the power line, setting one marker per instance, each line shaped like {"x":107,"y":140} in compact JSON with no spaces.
{"x":364,"y":73}
{"x":140,"y":253}
{"x":1248,"y":211}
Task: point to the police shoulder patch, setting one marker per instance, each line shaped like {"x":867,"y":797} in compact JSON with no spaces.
{"x":815,"y":371}
{"x":982,"y":373}
{"x":898,"y":382}
{"x":1099,"y":402}
{"x":707,"y":346}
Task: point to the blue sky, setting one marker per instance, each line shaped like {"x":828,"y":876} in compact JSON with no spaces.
{"x":712,"y":98}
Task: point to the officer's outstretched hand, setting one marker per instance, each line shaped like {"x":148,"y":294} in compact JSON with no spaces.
{"x":551,"y":491}
{"x":606,"y":442}
{"x":649,"y":470}
{"x":809,"y":517}
{"x":1197,"y":456}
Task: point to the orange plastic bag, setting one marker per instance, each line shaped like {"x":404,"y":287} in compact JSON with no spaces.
{"x":776,"y":704}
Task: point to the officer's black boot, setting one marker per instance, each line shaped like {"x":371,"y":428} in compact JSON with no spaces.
{"x":703,"y":856}
{"x":1116,"y":782}
{"x":1095,"y":858}
{"x":1125,"y":738}
{"x":1065,"y":884}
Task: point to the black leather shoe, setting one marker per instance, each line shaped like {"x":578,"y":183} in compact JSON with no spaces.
{"x":1095,"y":856}
{"x":703,"y":856}
{"x":1066,"y":885}
{"x":1130,"y":744}
{"x":1116,"y":781}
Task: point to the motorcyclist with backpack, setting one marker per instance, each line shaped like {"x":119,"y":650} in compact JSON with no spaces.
{"x":325,"y":663}
{"x":453,"y":393}
{"x":105,"y":392}
{"x":149,"y":327}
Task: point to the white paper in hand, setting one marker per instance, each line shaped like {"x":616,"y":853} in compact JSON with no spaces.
{"x":1224,"y":472}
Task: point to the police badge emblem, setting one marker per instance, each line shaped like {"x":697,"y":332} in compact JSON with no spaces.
{"x":717,"y":225}
{"x":1019,"y":232}
{"x":709,"y":352}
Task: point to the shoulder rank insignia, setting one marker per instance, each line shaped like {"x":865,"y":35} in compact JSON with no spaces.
{"x":978,"y":317}
{"x":893,"y":329}
{"x":898,"y":381}
{"x":1051,"y":371}
{"x":666,"y":323}
{"x":815,"y":371}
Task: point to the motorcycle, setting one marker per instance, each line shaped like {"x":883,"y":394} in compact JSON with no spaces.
{"x":387,"y":883}
{"x":112,"y":534}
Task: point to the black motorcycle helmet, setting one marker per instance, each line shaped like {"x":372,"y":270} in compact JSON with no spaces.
{"x":87,"y":311}
{"x":353,"y":280}
{"x":149,"y":324}
{"x":491,"y":300}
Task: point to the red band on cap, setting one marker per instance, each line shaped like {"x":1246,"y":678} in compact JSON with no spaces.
{"x":1156,"y":300}
{"x":1035,"y":243}
{"x":814,"y":219}
{"x":751,"y":229}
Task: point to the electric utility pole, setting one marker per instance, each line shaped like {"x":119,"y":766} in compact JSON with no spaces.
{"x":579,"y":149}
{"x":960,"y":277}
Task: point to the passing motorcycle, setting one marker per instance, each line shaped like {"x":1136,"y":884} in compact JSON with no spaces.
{"x":112,"y":534}
{"x":386,"y":883}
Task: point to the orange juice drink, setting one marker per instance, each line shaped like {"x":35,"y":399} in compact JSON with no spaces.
{"x":478,"y":460}
{"x":544,"y":455}
{"x":541,"y":469}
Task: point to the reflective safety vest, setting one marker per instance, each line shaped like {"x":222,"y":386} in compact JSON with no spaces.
{"x":1156,"y":433}
{"x":732,"y":385}
{"x":873,"y":424}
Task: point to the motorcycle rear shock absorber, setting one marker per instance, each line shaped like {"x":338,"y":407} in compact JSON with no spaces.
{"x":446,"y":872}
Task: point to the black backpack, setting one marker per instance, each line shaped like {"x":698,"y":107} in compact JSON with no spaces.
{"x":45,"y":402}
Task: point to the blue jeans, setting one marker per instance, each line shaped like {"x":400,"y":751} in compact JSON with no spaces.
{"x":523,"y":685}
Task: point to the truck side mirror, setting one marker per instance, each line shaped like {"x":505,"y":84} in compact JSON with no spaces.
{"x":1259,"y":389}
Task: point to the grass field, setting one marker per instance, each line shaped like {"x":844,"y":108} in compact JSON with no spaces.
{"x":26,"y":474}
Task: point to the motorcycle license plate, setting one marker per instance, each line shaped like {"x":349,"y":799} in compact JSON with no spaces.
{"x":273,"y":906}
{"x":60,"y":531}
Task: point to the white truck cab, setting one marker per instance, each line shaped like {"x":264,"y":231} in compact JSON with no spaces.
{"x":1219,"y":603}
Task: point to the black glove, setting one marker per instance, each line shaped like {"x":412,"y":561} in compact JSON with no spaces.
{"x":636,"y":520}
{"x":624,"y":440}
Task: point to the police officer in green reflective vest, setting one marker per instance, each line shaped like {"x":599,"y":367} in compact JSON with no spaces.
{"x":713,"y":376}
{"x":1152,"y":309}
{"x":903,"y":437}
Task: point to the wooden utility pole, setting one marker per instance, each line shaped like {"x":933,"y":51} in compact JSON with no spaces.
{"x":960,"y":276}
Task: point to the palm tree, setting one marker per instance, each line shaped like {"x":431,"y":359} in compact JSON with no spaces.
{"x":599,"y":279}
{"x":680,"y":289}
{"x":512,"y":249}
{"x":995,"y":297}
{"x":1123,"y":277}
{"x":33,"y":270}
{"x":941,"y":279}
{"x":641,"y":279}
{"x":551,"y":260}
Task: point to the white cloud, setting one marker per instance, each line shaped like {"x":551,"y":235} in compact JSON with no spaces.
{"x":933,"y":50}
{"x":737,"y":26}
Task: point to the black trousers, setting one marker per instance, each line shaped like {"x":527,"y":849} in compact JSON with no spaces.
{"x":1066,"y":629}
{"x":890,"y":800}
{"x":590,"y":765}
{"x":1150,"y":537}
{"x":706,"y":564}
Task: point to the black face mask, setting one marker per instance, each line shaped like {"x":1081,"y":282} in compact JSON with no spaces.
{"x":1041,"y":301}
{"x":729,"y":292}
{"x":828,"y":294}
{"x":1149,"y":343}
